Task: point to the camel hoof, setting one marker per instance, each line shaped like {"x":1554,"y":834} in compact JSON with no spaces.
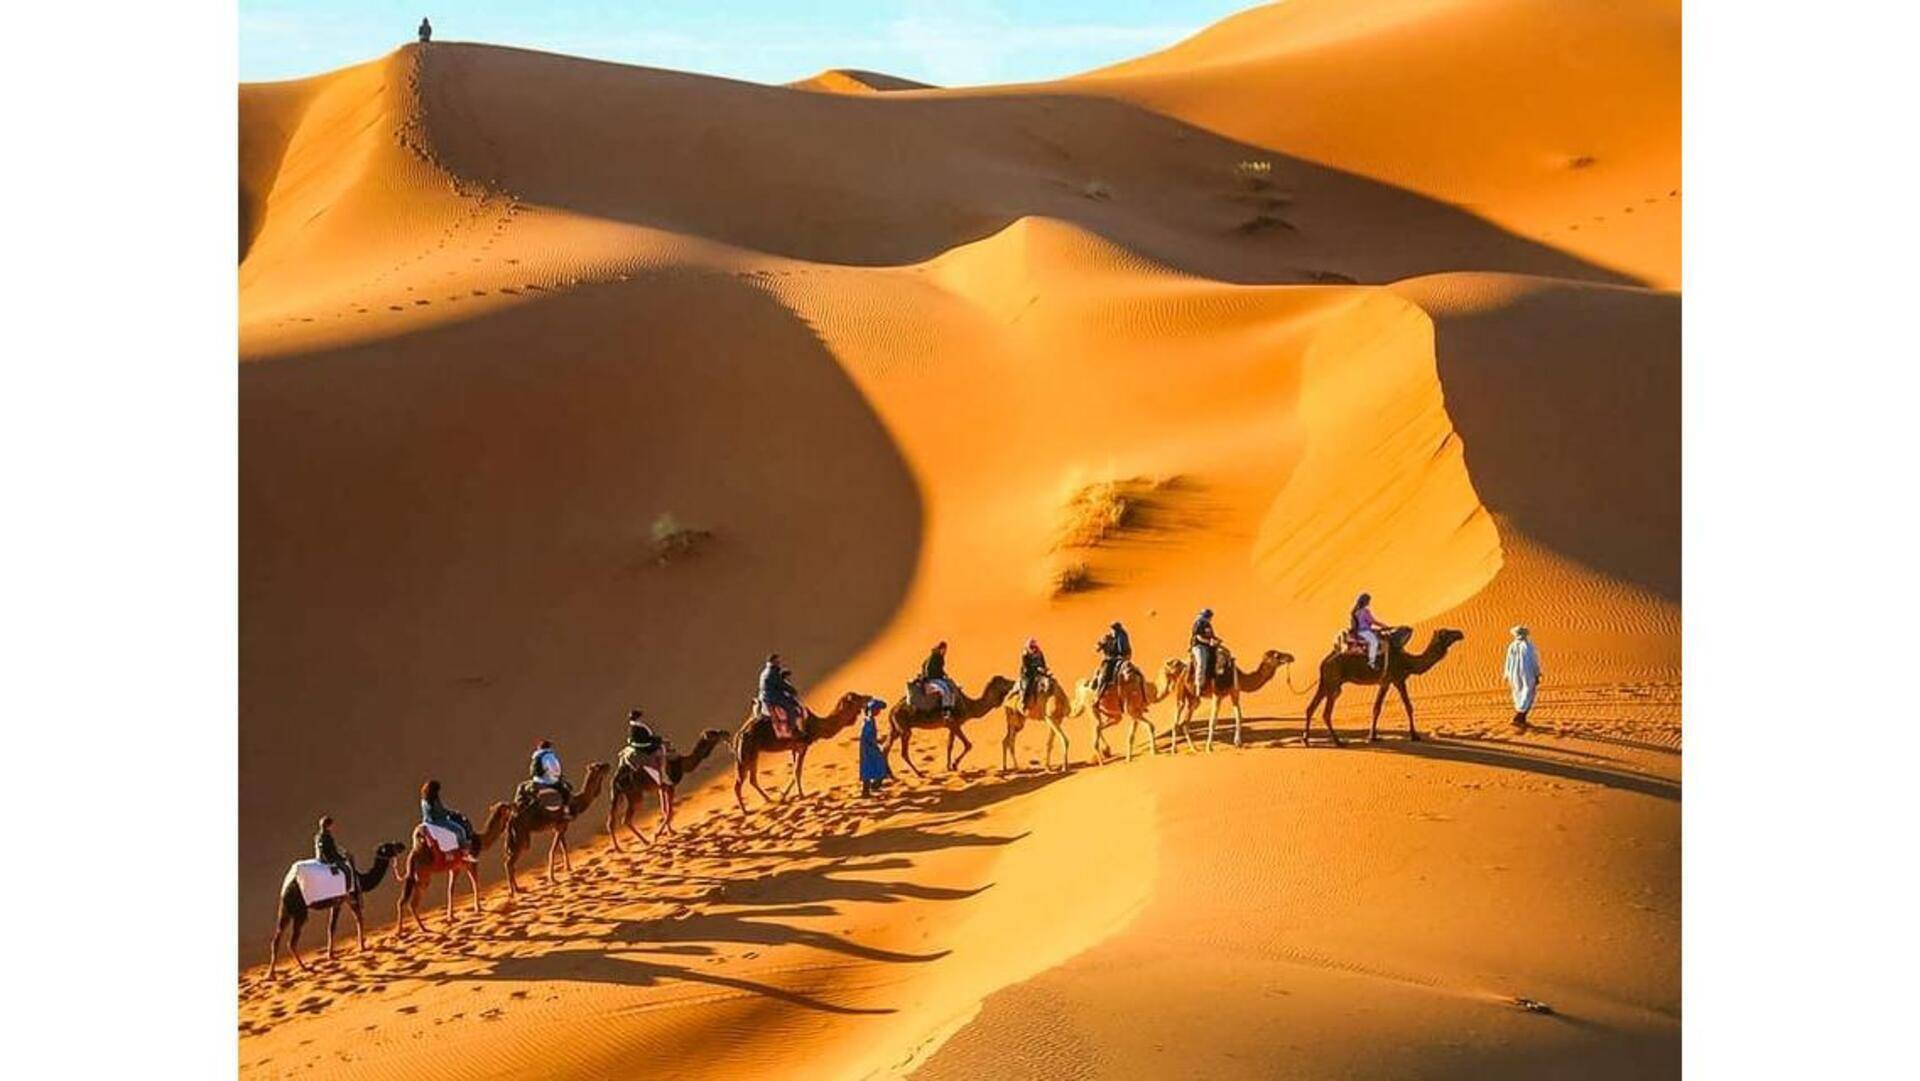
{"x":1414,"y":737}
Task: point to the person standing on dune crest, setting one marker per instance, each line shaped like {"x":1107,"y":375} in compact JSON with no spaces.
{"x":1522,"y":675}
{"x":426,"y":30}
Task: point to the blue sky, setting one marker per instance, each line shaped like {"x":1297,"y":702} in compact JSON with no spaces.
{"x":949,"y":42}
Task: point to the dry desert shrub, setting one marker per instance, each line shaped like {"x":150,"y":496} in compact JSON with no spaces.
{"x":673,"y":540}
{"x":1074,"y":577}
{"x":1100,"y":511}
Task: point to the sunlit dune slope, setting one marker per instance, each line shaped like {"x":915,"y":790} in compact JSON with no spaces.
{"x":976,"y":365}
{"x":1558,"y":120}
{"x":855,"y":81}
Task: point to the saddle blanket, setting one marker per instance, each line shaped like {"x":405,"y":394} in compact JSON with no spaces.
{"x":317,"y":881}
{"x":646,"y":765}
{"x":443,"y":838}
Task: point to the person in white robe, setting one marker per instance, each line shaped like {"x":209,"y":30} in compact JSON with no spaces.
{"x":1522,"y":674}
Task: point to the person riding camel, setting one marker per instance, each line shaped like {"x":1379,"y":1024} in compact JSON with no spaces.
{"x":933,"y":679}
{"x":1365,"y":626}
{"x":1116,"y":649}
{"x":1205,"y":646}
{"x":544,"y":775}
{"x":779,"y":701}
{"x":645,"y":749}
{"x":1033,"y":669}
{"x":435,"y":813}
{"x":327,"y":851}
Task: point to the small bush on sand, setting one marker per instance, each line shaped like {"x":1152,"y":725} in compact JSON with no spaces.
{"x":1254,"y":174}
{"x":673,"y":540}
{"x":1100,"y":511}
{"x":1075,"y":577}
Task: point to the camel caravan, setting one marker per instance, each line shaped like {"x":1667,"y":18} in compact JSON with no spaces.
{"x":445,"y":842}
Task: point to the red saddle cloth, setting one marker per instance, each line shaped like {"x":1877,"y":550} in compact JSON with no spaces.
{"x":1349,"y":642}
{"x":785,"y":725}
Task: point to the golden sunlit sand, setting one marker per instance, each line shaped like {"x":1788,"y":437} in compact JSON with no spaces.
{"x":1330,"y":297}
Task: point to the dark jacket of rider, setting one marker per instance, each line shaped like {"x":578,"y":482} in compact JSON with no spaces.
{"x":775,"y":685}
{"x":327,"y":851}
{"x":1033,"y":665}
{"x":1202,"y":631}
{"x":1115,"y":644}
{"x":935,"y":667}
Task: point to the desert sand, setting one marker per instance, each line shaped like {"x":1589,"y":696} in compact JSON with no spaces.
{"x":1329,"y":297}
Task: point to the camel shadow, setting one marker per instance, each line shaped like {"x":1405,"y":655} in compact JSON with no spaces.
{"x":625,"y":970}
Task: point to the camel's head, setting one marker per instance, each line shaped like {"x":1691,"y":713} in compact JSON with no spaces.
{"x":389,"y":850}
{"x":714,"y":735}
{"x":597,"y":771}
{"x":1174,"y":669}
{"x":850,"y":704}
{"x":1447,"y":636}
{"x":1277,"y":657}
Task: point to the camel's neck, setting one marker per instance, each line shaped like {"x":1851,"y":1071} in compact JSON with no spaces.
{"x":589,"y":792}
{"x":497,"y":817}
{"x":371,"y":877}
{"x":1435,"y":652}
{"x":1259,"y":677}
{"x":690,"y":761}
{"x":972,"y":709}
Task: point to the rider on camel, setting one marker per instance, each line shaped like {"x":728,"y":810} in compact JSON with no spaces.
{"x":1033,"y":669}
{"x":1364,"y":625}
{"x":1205,"y":646}
{"x":933,"y":678}
{"x":543,"y":774}
{"x":435,"y":813}
{"x":1115,"y":649}
{"x":779,"y":701}
{"x":327,"y":851}
{"x":645,"y":749}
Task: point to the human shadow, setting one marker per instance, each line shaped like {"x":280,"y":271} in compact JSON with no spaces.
{"x":891,"y":179}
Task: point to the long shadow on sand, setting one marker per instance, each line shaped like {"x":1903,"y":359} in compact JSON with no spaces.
{"x":595,"y":965}
{"x":1274,"y":731}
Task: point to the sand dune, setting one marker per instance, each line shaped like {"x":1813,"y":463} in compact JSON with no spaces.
{"x":975,"y":365}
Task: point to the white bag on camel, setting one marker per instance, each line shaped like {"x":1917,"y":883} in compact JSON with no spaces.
{"x":318,"y":882}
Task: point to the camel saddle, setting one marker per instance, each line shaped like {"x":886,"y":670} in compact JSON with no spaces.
{"x":785,"y":724}
{"x":317,"y":881}
{"x":638,"y":763}
{"x":546,"y":796}
{"x":442,"y":838}
{"x":1222,"y":668}
{"x":924,"y":698}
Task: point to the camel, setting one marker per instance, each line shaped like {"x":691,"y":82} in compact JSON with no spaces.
{"x":294,"y":909}
{"x":1340,"y":667}
{"x":902,"y":719}
{"x":630,"y":786}
{"x":538,"y":816}
{"x":1227,"y":686}
{"x":425,"y":859}
{"x":1049,"y":705}
{"x":757,"y":735}
{"x":1130,"y":694}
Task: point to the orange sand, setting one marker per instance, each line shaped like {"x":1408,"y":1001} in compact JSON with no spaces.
{"x":500,"y":310}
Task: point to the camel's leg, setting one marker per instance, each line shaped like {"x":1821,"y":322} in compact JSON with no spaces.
{"x":1306,"y":728}
{"x":906,"y":754}
{"x":1213,"y":722}
{"x":1238,"y":720}
{"x":1379,"y":700}
{"x":1055,"y":728}
{"x":293,"y":939}
{"x":507,"y":857}
{"x":966,"y":745}
{"x":1006,"y":742}
{"x":633,"y":801}
{"x":273,"y":948}
{"x":1407,"y":704}
{"x":613,"y":805}
{"x":473,"y":885}
{"x":566,"y":854}
{"x":1331,"y":734}
{"x":754,"y":776}
{"x":359,"y":933}
{"x":799,"y":781}
{"x":333,"y":921}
